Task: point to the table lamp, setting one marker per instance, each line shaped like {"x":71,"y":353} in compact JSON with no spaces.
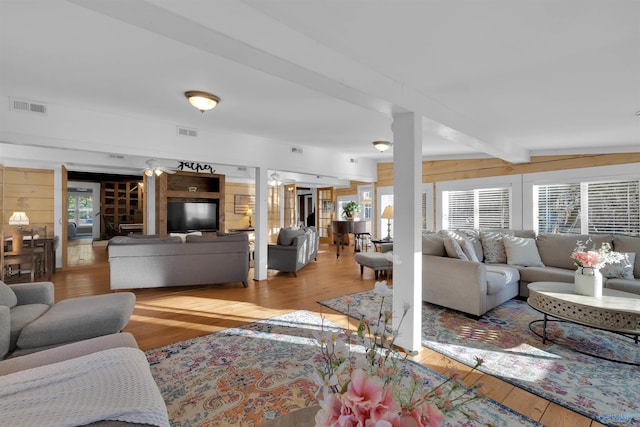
{"x":387,"y":213}
{"x":249,"y":213}
{"x":19,"y":219}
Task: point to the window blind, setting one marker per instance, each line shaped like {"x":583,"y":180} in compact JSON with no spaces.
{"x":611,"y":207}
{"x":477,"y":208}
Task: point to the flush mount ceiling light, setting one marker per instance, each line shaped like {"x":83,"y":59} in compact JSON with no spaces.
{"x":382,"y":145}
{"x":203,"y":101}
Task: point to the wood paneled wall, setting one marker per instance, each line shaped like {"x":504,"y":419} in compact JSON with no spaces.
{"x":450,"y":170}
{"x":31,"y":191}
{"x":232,"y":219}
{"x":2,"y":197}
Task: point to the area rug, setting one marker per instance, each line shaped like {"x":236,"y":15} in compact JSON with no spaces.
{"x":605,"y":391}
{"x":249,"y":375}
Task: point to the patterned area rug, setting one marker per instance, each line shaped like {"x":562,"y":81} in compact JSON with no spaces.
{"x":246,"y":376}
{"x":605,"y":391}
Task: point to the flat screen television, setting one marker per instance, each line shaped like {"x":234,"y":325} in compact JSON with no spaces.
{"x":183,"y":217}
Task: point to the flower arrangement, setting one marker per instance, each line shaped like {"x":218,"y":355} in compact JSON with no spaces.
{"x":594,"y":258}
{"x":375,"y":387}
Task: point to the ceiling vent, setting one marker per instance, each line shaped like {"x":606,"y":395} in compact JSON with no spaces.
{"x":27,"y":106}
{"x":184,"y":131}
{"x":296,"y":150}
{"x":353,"y":160}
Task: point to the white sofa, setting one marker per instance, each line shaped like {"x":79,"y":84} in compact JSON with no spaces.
{"x":451,"y":279}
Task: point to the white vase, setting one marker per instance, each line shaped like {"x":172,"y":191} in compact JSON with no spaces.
{"x":588,"y":281}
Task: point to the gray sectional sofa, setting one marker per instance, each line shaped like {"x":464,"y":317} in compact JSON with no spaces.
{"x":159,"y":262}
{"x":474,"y":271}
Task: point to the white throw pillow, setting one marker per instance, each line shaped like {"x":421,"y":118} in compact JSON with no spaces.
{"x":622,"y":269}
{"x":469,"y":250}
{"x":453,"y":249}
{"x":522,"y":251}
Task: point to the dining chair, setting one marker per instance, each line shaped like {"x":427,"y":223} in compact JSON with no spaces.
{"x":21,"y":256}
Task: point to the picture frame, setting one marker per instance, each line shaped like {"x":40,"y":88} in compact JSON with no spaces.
{"x":242,"y":202}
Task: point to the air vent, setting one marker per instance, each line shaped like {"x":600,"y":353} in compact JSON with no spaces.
{"x":28,"y":106}
{"x":296,"y":150}
{"x":353,"y":160}
{"x":242,"y":169}
{"x":184,"y":131}
{"x":116,"y":156}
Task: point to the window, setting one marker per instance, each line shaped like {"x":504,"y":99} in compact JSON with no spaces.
{"x":477,"y":208}
{"x":80,"y":209}
{"x":603,"y":207}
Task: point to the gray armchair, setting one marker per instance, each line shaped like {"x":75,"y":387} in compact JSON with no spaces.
{"x":295,"y":248}
{"x":30,"y":321}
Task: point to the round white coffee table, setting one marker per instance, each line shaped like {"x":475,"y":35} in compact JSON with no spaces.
{"x":614,"y":311}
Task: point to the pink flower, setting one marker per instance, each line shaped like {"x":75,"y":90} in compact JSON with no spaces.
{"x":329,"y":412}
{"x":368,"y":398}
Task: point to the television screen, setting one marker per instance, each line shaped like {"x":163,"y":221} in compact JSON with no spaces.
{"x":183,"y":217}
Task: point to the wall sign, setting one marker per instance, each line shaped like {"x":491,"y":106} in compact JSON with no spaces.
{"x":195,"y":167}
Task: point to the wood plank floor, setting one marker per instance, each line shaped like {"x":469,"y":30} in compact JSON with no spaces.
{"x":163,"y":316}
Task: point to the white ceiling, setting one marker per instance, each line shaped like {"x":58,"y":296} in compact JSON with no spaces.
{"x":493,"y":77}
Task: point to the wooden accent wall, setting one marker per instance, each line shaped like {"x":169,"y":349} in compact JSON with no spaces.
{"x":450,"y":170}
{"x":31,"y":191}
{"x":352,"y":189}
{"x":232,"y":219}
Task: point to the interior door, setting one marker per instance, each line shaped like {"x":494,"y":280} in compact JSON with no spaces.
{"x":325,"y":214}
{"x":290,"y":217}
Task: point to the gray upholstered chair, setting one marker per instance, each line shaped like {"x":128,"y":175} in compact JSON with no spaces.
{"x":30,"y":321}
{"x":295,"y":248}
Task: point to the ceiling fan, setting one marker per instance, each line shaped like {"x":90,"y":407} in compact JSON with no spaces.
{"x":154,"y":168}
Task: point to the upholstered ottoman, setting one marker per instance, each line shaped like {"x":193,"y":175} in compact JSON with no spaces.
{"x":77,"y":319}
{"x":377,"y":261}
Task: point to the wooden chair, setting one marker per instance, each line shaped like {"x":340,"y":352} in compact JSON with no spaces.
{"x":21,"y":256}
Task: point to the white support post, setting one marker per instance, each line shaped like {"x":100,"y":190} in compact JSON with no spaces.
{"x":260,"y":225}
{"x":407,"y":241}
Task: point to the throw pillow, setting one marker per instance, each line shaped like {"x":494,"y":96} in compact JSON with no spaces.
{"x":183,"y":236}
{"x":522,"y":251}
{"x":469,"y":250}
{"x":622,"y":269}
{"x":7,"y":297}
{"x":453,"y":249}
{"x":493,"y":247}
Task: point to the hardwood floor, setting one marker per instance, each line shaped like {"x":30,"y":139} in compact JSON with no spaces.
{"x":163,"y":316}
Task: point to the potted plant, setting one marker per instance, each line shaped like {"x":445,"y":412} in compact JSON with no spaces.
{"x":349,"y":209}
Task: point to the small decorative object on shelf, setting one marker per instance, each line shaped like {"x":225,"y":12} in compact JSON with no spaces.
{"x":371,"y":384}
{"x":588,"y":279}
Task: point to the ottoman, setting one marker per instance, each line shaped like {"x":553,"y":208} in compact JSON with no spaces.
{"x":375,"y":260}
{"x":77,"y":319}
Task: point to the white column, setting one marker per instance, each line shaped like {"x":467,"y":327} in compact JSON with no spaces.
{"x":150,"y":200}
{"x":260,"y":216}
{"x":407,"y":239}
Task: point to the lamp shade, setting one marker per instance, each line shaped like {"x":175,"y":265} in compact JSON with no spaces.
{"x":387,"y":213}
{"x":203,"y":101}
{"x":19,"y":219}
{"x":249,"y":212}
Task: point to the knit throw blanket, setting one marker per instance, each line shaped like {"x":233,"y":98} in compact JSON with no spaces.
{"x":113,"y":384}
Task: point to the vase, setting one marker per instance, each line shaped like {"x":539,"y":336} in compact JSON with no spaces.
{"x":588,"y":281}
